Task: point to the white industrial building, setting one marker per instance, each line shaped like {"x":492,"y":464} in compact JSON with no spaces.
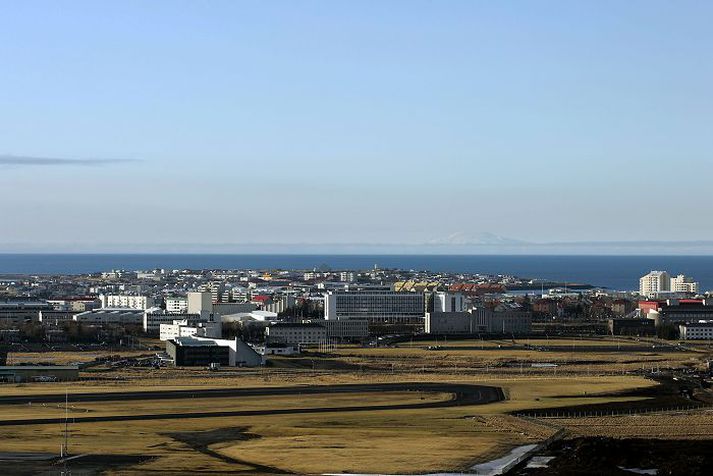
{"x":701,"y":330}
{"x":56,"y":317}
{"x":224,"y":308}
{"x":112,"y":316}
{"x":505,"y":318}
{"x":449,"y":323}
{"x":444,"y":301}
{"x":346,"y":329}
{"x":200,"y":303}
{"x":258,"y":316}
{"x":153,"y":320}
{"x":188,"y":328}
{"x":302,"y":333}
{"x":375,"y":306}
{"x":277,"y":348}
{"x":128,"y":301}
{"x":239,"y":353}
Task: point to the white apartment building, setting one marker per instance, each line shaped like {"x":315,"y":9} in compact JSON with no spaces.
{"x":375,"y":306}
{"x":661,"y":283}
{"x":655,"y":282}
{"x":347,"y":276}
{"x":126,"y":301}
{"x":683,"y":284}
{"x":176,"y":305}
{"x":215,"y":289}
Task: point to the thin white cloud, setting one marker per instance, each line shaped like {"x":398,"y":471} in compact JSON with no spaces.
{"x":29,"y":161}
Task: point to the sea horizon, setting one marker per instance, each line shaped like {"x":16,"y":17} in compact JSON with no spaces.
{"x":615,"y":272}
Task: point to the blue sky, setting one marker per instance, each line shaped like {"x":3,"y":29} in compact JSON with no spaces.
{"x":351,"y":122}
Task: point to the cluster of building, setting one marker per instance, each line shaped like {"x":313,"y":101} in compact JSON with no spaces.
{"x":284,"y":310}
{"x":670,"y":303}
{"x":277,"y":311}
{"x":660,"y":284}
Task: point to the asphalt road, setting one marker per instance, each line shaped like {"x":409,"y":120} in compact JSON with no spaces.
{"x":462,"y":394}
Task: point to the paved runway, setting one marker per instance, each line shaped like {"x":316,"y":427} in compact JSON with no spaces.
{"x":462,"y":394}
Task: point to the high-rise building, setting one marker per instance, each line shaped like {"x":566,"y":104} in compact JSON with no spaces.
{"x":655,"y":282}
{"x":660,"y":282}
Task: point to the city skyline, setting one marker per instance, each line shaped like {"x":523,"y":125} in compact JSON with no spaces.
{"x":355,"y":124}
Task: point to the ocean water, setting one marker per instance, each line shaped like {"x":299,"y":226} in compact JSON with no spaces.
{"x":614,"y":272}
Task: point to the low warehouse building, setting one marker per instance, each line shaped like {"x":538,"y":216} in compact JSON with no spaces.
{"x":632,"y":327}
{"x":39,"y":373}
{"x":192,"y":353}
{"x":702,"y":330}
{"x":302,"y":333}
{"x":346,"y":329}
{"x":200,"y":351}
{"x":449,"y":323}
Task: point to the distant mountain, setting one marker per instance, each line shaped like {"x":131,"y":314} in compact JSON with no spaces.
{"x":484,"y":238}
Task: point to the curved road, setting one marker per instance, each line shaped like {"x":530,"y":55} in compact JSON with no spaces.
{"x":463,"y":394}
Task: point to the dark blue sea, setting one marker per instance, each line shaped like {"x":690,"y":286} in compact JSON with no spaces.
{"x":614,"y":272}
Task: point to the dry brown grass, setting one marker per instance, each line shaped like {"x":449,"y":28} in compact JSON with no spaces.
{"x":370,"y":441}
{"x":696,"y":424}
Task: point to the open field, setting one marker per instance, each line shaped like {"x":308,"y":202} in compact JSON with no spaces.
{"x":535,"y":342}
{"x":391,"y":440}
{"x":427,"y":439}
{"x":696,"y":424}
{"x":65,"y":357}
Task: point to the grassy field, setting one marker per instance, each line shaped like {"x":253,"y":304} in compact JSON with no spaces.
{"x":539,"y":342}
{"x":369,"y":441}
{"x":668,"y":425}
{"x":372,"y":441}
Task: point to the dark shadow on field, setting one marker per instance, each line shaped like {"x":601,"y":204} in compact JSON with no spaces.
{"x":202,"y":440}
{"x":609,"y":456}
{"x":89,"y":465}
{"x":667,"y":395}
